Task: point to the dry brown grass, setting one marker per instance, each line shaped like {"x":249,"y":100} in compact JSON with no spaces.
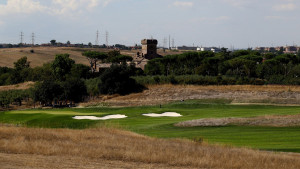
{"x":160,"y":94}
{"x":21,"y":86}
{"x":272,"y":120}
{"x":115,"y":145}
{"x":262,"y":88}
{"x":43,"y":55}
{"x":39,"y":57}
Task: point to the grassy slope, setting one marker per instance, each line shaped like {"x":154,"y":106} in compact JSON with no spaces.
{"x":269,"y":138}
{"x":43,"y":148}
{"x":39,"y":57}
{"x":43,"y":55}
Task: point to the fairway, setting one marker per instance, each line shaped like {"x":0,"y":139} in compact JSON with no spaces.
{"x":259,"y":137}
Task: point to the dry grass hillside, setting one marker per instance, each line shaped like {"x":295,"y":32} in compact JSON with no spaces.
{"x":21,"y":86}
{"x":43,"y":55}
{"x":40,"y":56}
{"x":112,"y":148}
{"x":159,"y":94}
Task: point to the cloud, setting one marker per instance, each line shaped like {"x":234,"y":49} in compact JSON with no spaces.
{"x":183,"y":4}
{"x":58,"y":7}
{"x":213,"y":20}
{"x":282,"y":18}
{"x":21,"y":6}
{"x":274,"y":17}
{"x":70,"y":6}
{"x":222,"y":18}
{"x":285,"y":7}
{"x":238,"y":3}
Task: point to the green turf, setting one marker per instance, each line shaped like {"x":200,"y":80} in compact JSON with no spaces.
{"x":267,"y":138}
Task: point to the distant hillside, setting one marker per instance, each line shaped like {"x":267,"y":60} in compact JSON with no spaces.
{"x":43,"y":55}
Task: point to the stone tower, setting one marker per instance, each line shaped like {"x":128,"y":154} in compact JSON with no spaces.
{"x":149,"y":49}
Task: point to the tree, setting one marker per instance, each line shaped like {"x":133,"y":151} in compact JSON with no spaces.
{"x":61,"y":66}
{"x":20,"y":72}
{"x":94,"y":57}
{"x":121,"y":59}
{"x":47,"y":91}
{"x":42,"y":73}
{"x":80,"y":71}
{"x":116,"y":80}
{"x":74,"y":89}
{"x":114,"y":53}
{"x":53,"y":42}
{"x":22,"y":64}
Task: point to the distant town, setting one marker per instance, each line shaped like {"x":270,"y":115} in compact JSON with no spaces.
{"x":282,"y":49}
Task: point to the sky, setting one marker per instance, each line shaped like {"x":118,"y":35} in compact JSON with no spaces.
{"x":224,"y":23}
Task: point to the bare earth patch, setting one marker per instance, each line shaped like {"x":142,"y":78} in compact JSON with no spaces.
{"x":273,"y":121}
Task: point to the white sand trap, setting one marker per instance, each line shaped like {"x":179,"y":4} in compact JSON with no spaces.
{"x":115,"y":116}
{"x":166,"y":114}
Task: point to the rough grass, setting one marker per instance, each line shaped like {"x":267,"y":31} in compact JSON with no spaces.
{"x":161,"y":94}
{"x":113,"y":144}
{"x":40,"y":56}
{"x":43,"y":55}
{"x":21,"y":86}
{"x":273,"y":121}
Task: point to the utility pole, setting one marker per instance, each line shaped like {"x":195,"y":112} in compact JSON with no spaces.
{"x":97,"y":38}
{"x":106,"y":37}
{"x":32,"y":39}
{"x":169,"y":42}
{"x":173,"y":43}
{"x":165,"y":42}
{"x":21,"y":38}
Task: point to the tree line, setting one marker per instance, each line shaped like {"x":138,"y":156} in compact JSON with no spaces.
{"x":63,"y":82}
{"x":245,"y":66}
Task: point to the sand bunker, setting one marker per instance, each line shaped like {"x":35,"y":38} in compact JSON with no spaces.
{"x":166,"y":114}
{"x":115,"y":116}
{"x":271,"y":120}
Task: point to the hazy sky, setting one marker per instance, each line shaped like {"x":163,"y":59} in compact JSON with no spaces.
{"x":240,"y":23}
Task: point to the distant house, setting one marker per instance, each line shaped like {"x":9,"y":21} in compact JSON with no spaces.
{"x":290,"y":50}
{"x":271,"y":49}
{"x":202,"y":49}
{"x":215,"y":50}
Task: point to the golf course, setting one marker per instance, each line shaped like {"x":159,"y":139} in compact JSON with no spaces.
{"x":268,"y":137}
